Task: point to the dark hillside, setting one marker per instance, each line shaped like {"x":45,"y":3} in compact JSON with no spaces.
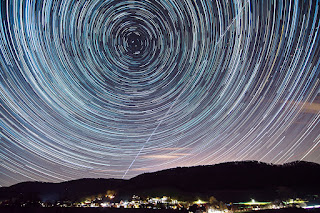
{"x":70,"y":190}
{"x":235,"y":177}
{"x":231,"y":181}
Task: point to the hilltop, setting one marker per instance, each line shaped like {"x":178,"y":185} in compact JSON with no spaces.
{"x":232,"y":181}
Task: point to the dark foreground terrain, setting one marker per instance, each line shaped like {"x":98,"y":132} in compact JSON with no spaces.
{"x":289,"y":210}
{"x":80,"y":210}
{"x":228,"y":182}
{"x":108,"y":210}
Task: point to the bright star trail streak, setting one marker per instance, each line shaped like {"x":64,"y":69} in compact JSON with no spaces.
{"x":114,"y":89}
{"x":174,"y":103}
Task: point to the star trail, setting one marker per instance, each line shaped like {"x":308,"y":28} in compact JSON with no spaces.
{"x":113,"y":89}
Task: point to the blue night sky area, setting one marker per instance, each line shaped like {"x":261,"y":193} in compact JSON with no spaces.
{"x":114,"y":89}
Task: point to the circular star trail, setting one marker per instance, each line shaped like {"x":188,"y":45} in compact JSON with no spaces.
{"x":116,"y":88}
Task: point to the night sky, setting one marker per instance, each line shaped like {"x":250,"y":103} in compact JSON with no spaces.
{"x":113,"y":89}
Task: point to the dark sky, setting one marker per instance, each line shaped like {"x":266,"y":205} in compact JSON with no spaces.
{"x":112,"y":89}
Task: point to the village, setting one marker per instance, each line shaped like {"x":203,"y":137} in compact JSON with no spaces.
{"x":166,"y":202}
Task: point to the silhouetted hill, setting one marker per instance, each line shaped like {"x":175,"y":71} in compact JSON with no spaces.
{"x":233,"y":181}
{"x":239,"y":179}
{"x":70,"y":190}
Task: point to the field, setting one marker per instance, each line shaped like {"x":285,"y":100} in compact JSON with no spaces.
{"x":79,"y":210}
{"x":108,"y":210}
